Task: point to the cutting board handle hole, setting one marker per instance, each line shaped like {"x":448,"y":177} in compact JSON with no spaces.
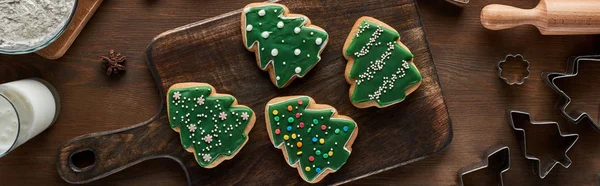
{"x":83,"y":160}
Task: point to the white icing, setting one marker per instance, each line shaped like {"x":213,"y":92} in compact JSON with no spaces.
{"x":297,"y":52}
{"x":319,"y":41}
{"x":280,"y":24}
{"x":265,"y":34}
{"x":249,"y":28}
{"x":261,"y":13}
{"x":298,"y":70}
{"x":297,"y":30}
{"x":274,"y":52}
{"x":246,"y":10}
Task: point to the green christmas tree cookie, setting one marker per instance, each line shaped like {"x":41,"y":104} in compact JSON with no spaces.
{"x":313,"y":137}
{"x":380,"y":68}
{"x":286,"y":45}
{"x":212,"y":126}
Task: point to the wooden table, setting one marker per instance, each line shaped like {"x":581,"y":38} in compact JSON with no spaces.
{"x":466,"y":55}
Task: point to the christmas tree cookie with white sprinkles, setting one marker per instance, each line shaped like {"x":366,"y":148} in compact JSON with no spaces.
{"x":286,"y":45}
{"x":313,"y":137}
{"x":380,"y":68}
{"x":212,"y":126}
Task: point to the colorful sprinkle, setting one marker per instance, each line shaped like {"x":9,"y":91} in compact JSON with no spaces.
{"x":276,"y":118}
{"x":294,"y":136}
{"x":275,"y":112}
{"x":337,"y":131}
{"x":318,"y":152}
{"x":318,"y":170}
{"x":289,"y":128}
{"x":277,"y":131}
{"x":307,"y":168}
{"x":314,"y":139}
{"x":308,"y":130}
{"x":330,"y":153}
{"x":290,"y":120}
{"x":322,"y":141}
{"x":325,"y":156}
{"x":301,"y":125}
{"x":299,"y":102}
{"x":299,"y":144}
{"x":323,"y":127}
{"x":299,"y":153}
{"x":345,"y":128}
{"x":286,"y":137}
{"x":298,"y":115}
{"x":311,"y":158}
{"x":315,"y":121}
{"x":290,"y":108}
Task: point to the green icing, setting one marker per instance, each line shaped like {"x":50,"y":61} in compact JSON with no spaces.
{"x":381,"y":68}
{"x":333,"y":142}
{"x":291,"y":47}
{"x":214,"y":120}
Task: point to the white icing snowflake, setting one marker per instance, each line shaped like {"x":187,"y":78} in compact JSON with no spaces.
{"x":405,"y":65}
{"x":177,"y":96}
{"x":206,"y":157}
{"x":245,"y":116}
{"x":223,"y":115}
{"x":207,"y":138}
{"x":191,"y":127}
{"x":200,"y":100}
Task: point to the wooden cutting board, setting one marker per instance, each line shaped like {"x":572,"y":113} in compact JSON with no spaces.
{"x":211,"y":51}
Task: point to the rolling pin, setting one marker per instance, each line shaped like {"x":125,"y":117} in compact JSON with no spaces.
{"x":551,"y":17}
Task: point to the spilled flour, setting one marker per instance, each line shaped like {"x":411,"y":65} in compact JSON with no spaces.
{"x":28,"y":23}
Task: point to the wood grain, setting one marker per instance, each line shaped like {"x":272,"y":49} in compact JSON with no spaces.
{"x":85,"y":10}
{"x":211,"y":51}
{"x":465,"y":55}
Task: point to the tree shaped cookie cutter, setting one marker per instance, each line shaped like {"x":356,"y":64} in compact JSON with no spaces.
{"x":564,"y":100}
{"x":518,"y":119}
{"x":499,"y":154}
{"x":522,"y":79}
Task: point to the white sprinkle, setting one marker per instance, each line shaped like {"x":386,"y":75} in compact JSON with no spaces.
{"x":261,"y":13}
{"x":265,"y":34}
{"x":280,"y":24}
{"x":297,"y":30}
{"x":319,"y":41}
{"x":298,"y":70}
{"x":274,"y":52}
{"x":249,"y":28}
{"x":312,"y":33}
{"x":297,"y":51}
{"x":284,"y":63}
{"x":278,"y":78}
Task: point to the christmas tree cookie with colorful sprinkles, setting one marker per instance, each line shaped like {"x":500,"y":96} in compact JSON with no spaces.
{"x":380,"y":69}
{"x":286,"y":45}
{"x":212,"y":126}
{"x":313,"y":137}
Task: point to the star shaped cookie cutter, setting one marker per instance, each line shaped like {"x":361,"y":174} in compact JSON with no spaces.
{"x":522,"y":79}
{"x":496,"y":155}
{"x":518,"y":119}
{"x":564,"y":100}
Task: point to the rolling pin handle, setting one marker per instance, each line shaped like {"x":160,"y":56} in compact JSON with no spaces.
{"x":500,"y":17}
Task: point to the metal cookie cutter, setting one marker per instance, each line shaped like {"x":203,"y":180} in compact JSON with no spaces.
{"x":459,"y":1}
{"x":518,"y":120}
{"x":495,"y":157}
{"x":564,"y":100}
{"x":521,"y":80}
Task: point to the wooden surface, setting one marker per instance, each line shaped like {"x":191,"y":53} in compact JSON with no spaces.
{"x":465,"y":54}
{"x":551,"y":17}
{"x":212,"y":52}
{"x":85,"y":10}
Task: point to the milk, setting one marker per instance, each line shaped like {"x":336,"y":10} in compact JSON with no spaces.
{"x":27,"y":107}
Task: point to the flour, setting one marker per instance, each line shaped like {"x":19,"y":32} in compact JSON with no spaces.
{"x":29,"y":23}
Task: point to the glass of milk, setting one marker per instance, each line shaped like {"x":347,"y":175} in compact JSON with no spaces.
{"x":27,"y":107}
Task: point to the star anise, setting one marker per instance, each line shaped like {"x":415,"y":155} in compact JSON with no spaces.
{"x":114,"y":63}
